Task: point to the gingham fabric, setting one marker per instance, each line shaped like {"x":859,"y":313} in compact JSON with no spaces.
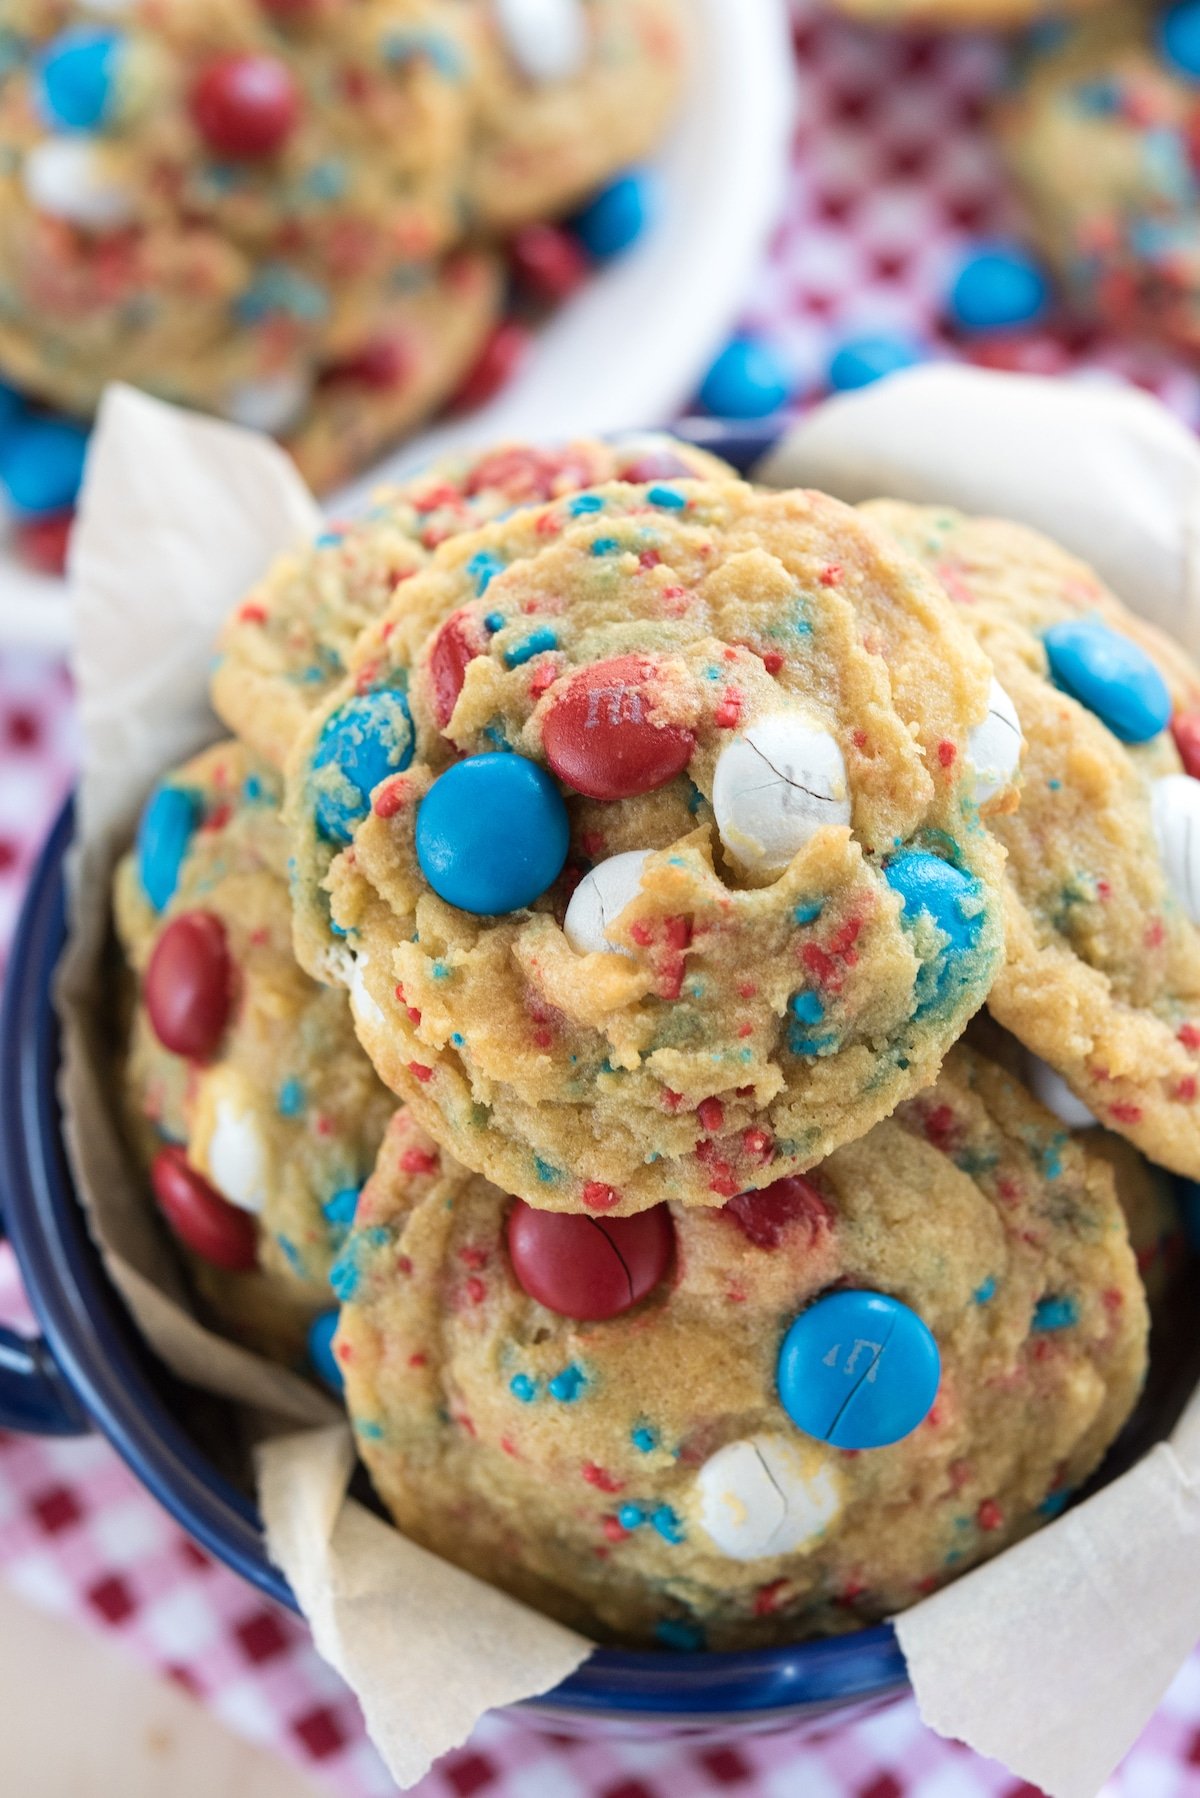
{"x":893,"y":176}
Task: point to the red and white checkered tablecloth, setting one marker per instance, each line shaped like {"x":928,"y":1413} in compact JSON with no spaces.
{"x":893,"y":175}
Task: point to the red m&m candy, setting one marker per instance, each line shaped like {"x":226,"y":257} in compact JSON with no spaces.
{"x":1185,"y":728}
{"x":188,"y":984}
{"x":589,"y":1268}
{"x":203,"y":1221}
{"x":657,"y":465}
{"x":458,"y":642}
{"x":245,"y":106}
{"x":599,"y":736}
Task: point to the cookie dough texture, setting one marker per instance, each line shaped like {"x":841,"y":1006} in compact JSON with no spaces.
{"x":286,"y":648}
{"x":540,"y":145}
{"x":741,"y":1025}
{"x":287,"y":1113}
{"x":562,"y":1460}
{"x":1099,"y":131}
{"x":1101,"y":975}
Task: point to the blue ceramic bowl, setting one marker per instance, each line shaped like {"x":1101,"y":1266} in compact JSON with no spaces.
{"x":91,"y":1369}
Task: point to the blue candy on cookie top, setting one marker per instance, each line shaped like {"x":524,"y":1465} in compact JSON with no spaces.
{"x":667,"y":868}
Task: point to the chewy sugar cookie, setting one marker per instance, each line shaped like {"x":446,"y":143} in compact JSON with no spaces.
{"x":645,"y":831}
{"x":568,"y":92}
{"x":242,"y":207}
{"x":249,"y":1100}
{"x":719,"y":1428}
{"x":1101,"y":977}
{"x":1099,"y":129}
{"x":285,"y":649}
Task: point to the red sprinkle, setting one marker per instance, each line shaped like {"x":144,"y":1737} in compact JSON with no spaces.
{"x":423,"y":1074}
{"x":773,"y":661}
{"x":832,"y":575}
{"x":766,"y":1599}
{"x":989,"y":1515}
{"x":474,"y":1290}
{"x":598,"y":1477}
{"x":418,"y":1161}
{"x":613,"y":1530}
{"x":946,"y":751}
{"x":391,"y":798}
{"x":1189,"y":1036}
{"x":598,"y":1197}
{"x":1125,"y":1112}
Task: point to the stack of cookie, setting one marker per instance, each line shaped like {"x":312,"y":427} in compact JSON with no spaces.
{"x":294,"y":213}
{"x":720,"y":1278}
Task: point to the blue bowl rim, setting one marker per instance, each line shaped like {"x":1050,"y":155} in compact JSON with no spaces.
{"x":99,"y":1352}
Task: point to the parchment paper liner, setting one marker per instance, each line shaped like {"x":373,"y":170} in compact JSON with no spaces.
{"x":1050,"y":1658}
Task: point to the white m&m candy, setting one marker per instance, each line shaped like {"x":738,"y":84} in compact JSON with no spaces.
{"x":601,"y":897}
{"x":366,"y":1011}
{"x":994,"y":747}
{"x":547,"y":39}
{"x":1054,"y":1093}
{"x":1175,"y":812}
{"x":766,"y":1495}
{"x":227,"y":1144}
{"x":775,"y":786}
{"x":65,"y":177}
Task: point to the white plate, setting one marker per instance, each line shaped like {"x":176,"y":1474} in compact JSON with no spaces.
{"x":630,"y":349}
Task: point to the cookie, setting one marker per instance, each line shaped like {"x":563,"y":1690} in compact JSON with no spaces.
{"x":1101,"y":976}
{"x":241,"y":208}
{"x":569,"y":92}
{"x":251,"y":1106}
{"x":286,"y":648}
{"x":670,"y":1435}
{"x":645,"y":831}
{"x":1100,"y":131}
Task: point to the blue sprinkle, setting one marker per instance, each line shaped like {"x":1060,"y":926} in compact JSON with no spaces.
{"x":495,"y":621}
{"x":405,"y":46}
{"x":440,"y":971}
{"x":668,"y":1525}
{"x":458,"y":1039}
{"x":370,"y":1432}
{"x":583,"y":503}
{"x":483,"y":569}
{"x":327,"y":181}
{"x":1052,"y":1157}
{"x":685,"y":1637}
{"x":605,"y":546}
{"x":1056,"y":1313}
{"x":291,"y":1255}
{"x":341,"y":1207}
{"x":535,"y":645}
{"x":567,"y":1385}
{"x":1055,"y":786}
{"x":645,"y":1440}
{"x":987,"y":1291}
{"x":252,"y":788}
{"x":695,"y":800}
{"x":345,"y":1276}
{"x":1054,"y":1503}
{"x":545,"y":1173}
{"x":279,"y":289}
{"x":669,"y":498}
{"x":630,"y":1517}
{"x":808,"y":911}
{"x":328,"y":539}
{"x":291,"y":1098}
{"x":523,"y":1388}
{"x":807,"y":1007}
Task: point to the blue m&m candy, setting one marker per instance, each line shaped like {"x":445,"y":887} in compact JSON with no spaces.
{"x":858,"y":1370}
{"x":617,"y":216}
{"x":1111,"y":676}
{"x":996,"y":288}
{"x":163,"y":836}
{"x":747,"y":380}
{"x":1179,"y":37}
{"x":364,"y":742}
{"x":492,"y":834}
{"x":77,"y":78}
{"x":321,"y":1332}
{"x":860,"y":360}
{"x":41,"y":465}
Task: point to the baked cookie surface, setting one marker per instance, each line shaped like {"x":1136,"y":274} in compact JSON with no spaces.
{"x":569,"y":92}
{"x":645,"y":831}
{"x":258,"y":1114}
{"x":641,"y":1474}
{"x":285,"y":649}
{"x":1099,"y":132}
{"x":1101,"y":977}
